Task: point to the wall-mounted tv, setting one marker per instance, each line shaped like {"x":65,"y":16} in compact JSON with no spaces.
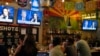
{"x":89,"y":24}
{"x":29,"y":17}
{"x":6,"y":14}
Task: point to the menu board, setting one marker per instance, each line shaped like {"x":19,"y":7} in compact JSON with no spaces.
{"x":34,"y":31}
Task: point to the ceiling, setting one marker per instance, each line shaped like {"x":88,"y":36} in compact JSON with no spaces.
{"x":14,"y":2}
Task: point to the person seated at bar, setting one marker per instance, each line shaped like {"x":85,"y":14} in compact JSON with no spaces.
{"x":70,"y":49}
{"x":82,"y":46}
{"x":57,"y":49}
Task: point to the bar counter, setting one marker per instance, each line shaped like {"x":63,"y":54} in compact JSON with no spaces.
{"x":95,"y":51}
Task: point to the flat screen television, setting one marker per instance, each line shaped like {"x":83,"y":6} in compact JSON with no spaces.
{"x":25,"y":16}
{"x":89,"y":24}
{"x":6,"y":14}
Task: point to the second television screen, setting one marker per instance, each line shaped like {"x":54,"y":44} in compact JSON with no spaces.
{"x":29,"y":17}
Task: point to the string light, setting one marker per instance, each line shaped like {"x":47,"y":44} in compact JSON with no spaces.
{"x":16,"y":0}
{"x":30,"y":2}
{"x":7,"y":3}
{"x":63,"y":0}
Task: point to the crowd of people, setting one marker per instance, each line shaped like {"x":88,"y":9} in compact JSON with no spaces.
{"x":71,"y":46}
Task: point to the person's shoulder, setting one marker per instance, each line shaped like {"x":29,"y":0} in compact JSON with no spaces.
{"x":82,"y":42}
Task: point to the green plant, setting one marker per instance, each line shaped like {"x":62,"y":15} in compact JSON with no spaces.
{"x":57,"y":23}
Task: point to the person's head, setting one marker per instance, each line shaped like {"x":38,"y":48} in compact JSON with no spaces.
{"x":77,"y":37}
{"x":30,"y":45}
{"x":30,"y":41}
{"x":21,"y":39}
{"x":5,"y":11}
{"x":70,"y":41}
{"x":50,"y":46}
{"x":35,"y":16}
{"x":23,"y":14}
{"x":56,"y":41}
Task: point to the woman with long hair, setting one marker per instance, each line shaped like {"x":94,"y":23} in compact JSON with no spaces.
{"x":28,"y":48}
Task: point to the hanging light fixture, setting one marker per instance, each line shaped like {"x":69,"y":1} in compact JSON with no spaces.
{"x":69,"y":23}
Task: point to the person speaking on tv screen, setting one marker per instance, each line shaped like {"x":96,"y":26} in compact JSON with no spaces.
{"x":35,"y":18}
{"x":23,"y":14}
{"x":5,"y":14}
{"x":93,"y":25}
{"x":86,"y":25}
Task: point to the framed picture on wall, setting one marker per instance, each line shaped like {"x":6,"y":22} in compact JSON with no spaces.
{"x":23,"y":30}
{"x":34,"y":31}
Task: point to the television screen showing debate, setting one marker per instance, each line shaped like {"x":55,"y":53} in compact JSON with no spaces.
{"x":25,"y":16}
{"x":6,"y":14}
{"x":89,"y":24}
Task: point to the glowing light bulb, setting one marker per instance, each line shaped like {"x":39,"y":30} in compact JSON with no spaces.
{"x":7,"y":3}
{"x":30,"y":2}
{"x":63,"y":0}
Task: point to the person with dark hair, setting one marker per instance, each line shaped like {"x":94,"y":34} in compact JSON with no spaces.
{"x":20,"y":44}
{"x":56,"y":50}
{"x":35,"y":18}
{"x":82,"y":46}
{"x":3,"y":49}
{"x":28,"y":47}
{"x":70,"y":49}
{"x":5,"y":14}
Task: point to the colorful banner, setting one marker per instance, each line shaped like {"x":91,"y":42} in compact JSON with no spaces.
{"x":79,"y":6}
{"x":59,"y":7}
{"x":69,"y":5}
{"x":90,"y":6}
